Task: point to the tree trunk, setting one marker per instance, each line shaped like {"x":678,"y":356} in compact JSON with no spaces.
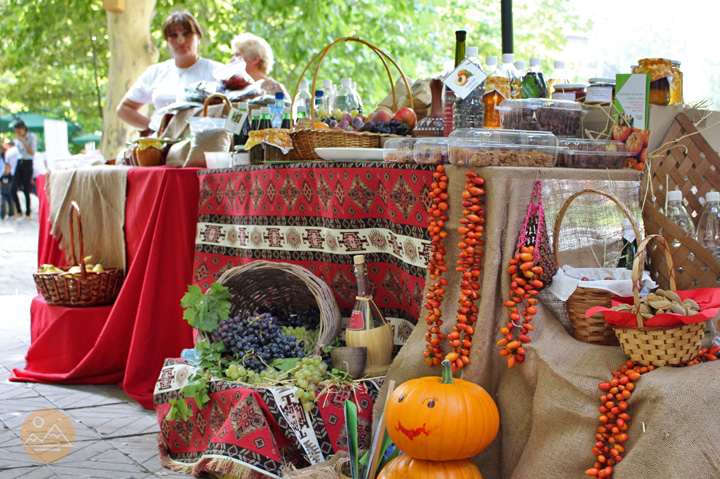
{"x":131,"y":52}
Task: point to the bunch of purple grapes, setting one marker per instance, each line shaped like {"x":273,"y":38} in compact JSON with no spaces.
{"x":308,"y":319}
{"x":257,"y":340}
{"x":393,"y":127}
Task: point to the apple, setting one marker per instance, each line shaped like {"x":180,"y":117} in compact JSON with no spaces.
{"x":407,"y":117}
{"x":379,"y":116}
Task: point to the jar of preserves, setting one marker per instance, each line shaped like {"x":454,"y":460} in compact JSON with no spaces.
{"x":600,"y":91}
{"x":569,"y":91}
{"x":660,"y":72}
{"x":676,"y":85}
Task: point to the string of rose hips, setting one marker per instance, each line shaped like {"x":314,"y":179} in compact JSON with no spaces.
{"x":436,"y":266}
{"x":524,"y":272}
{"x":469,"y":266}
{"x":612,"y":432}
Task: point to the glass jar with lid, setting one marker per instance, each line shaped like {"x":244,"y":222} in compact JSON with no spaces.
{"x":660,"y":72}
{"x":600,"y":91}
{"x":676,"y":85}
{"x":569,"y":91}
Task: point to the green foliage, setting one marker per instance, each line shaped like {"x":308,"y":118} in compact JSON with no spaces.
{"x":48,"y":47}
{"x":205,"y":311}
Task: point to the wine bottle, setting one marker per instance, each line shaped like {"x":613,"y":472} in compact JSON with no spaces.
{"x":368,"y":328}
{"x":448,"y":94}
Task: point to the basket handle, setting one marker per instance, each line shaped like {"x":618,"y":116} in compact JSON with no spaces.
{"x":381,"y":54}
{"x":610,"y":196}
{"x":75,"y":211}
{"x":639,"y":266}
{"x":216,"y":95}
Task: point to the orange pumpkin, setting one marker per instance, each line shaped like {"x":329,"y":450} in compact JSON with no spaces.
{"x":406,"y":467}
{"x":441,"y":419}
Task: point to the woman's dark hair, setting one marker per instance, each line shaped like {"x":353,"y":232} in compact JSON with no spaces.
{"x":20,"y":125}
{"x":182,"y":18}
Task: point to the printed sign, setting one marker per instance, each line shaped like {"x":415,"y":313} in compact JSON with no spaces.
{"x":236,"y":120}
{"x":465,"y":78}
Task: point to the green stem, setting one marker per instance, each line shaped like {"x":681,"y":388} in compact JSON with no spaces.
{"x":447,"y":377}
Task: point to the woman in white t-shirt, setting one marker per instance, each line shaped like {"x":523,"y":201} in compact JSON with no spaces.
{"x":161,"y":83}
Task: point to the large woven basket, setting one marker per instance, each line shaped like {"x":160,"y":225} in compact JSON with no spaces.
{"x":686,"y":162}
{"x":85,"y":288}
{"x":659,"y":346}
{"x":594,"y":329}
{"x":289,"y":288}
{"x":306,"y":140}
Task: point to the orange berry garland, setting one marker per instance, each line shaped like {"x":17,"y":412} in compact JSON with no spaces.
{"x":524,"y":272}
{"x":438,"y":212}
{"x":469,"y":266}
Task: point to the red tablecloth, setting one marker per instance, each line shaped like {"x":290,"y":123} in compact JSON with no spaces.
{"x":127,"y":342}
{"x":318,"y":215}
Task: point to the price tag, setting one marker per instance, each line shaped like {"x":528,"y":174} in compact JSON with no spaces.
{"x":236,"y":120}
{"x":465,"y":78}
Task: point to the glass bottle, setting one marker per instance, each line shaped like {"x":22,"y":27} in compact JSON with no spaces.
{"x":676,"y":85}
{"x":508,"y":66}
{"x":276,"y":117}
{"x":303,"y":99}
{"x":559,"y":76}
{"x":265,"y":121}
{"x":629,"y":245}
{"x":497,"y":89}
{"x":242,"y":137}
{"x":516,"y":84}
{"x":368,"y":328}
{"x":320,"y":107}
{"x":708,"y":229}
{"x":255,"y":119}
{"x":468,"y":112}
{"x":448,"y":94}
{"x":534,"y":84}
{"x":677,"y":213}
{"x":286,"y":119}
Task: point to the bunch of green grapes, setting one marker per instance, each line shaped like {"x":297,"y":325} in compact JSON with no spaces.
{"x":308,"y":374}
{"x":307,"y":336}
{"x":237,"y":372}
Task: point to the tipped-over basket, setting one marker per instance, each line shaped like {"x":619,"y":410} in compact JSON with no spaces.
{"x":593,"y":330}
{"x":287,"y":287}
{"x":658,"y":346}
{"x":86,"y":288}
{"x":306,"y":140}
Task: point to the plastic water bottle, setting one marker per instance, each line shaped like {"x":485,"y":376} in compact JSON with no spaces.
{"x":677,"y":213}
{"x":356,"y":94}
{"x":320,"y":107}
{"x":708,"y":230}
{"x":277,"y":111}
{"x":345,"y":100}
{"x":303,"y":98}
{"x":330,"y":94}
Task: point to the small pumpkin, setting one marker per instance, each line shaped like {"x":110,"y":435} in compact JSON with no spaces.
{"x":441,"y":419}
{"x":406,"y":467}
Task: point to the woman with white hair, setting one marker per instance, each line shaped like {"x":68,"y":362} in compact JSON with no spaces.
{"x":258,"y":57}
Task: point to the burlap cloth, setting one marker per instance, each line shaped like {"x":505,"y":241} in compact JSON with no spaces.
{"x":178,"y":126}
{"x":548,"y":405}
{"x":100,"y":194}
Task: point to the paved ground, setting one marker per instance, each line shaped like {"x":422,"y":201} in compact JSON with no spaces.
{"x":114,"y":436}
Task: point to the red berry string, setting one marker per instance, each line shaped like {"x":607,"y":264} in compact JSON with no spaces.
{"x":524,"y":272}
{"x":469,"y":266}
{"x":436,"y":266}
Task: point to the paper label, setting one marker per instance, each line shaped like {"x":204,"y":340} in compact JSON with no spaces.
{"x":357,"y":322}
{"x":631,"y":99}
{"x":563,"y":96}
{"x":465,"y":78}
{"x":236,"y":120}
{"x":598,"y":94}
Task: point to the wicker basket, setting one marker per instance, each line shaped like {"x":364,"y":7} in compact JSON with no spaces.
{"x":288,"y":287}
{"x":306,"y":140}
{"x":85,"y":288}
{"x":691,"y":165}
{"x":594,"y":329}
{"x":659,"y":346}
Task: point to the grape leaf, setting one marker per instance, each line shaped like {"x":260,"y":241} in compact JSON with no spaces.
{"x":205,"y":311}
{"x":178,"y":410}
{"x":284,"y":364}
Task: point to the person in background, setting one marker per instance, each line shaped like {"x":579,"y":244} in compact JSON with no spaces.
{"x":26,"y":143}
{"x":161,"y":83}
{"x":259,"y":60}
{"x":6,"y":205}
{"x":11,"y":158}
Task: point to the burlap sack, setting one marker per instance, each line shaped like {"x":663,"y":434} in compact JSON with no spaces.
{"x":548,"y":405}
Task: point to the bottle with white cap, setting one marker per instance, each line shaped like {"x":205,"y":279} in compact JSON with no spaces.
{"x":303,"y":99}
{"x":508,"y":66}
{"x":708,"y":229}
{"x":497,"y":89}
{"x":629,"y":245}
{"x":330,"y":94}
{"x":534,"y":84}
{"x":345,"y":101}
{"x":468,"y":112}
{"x":677,"y":213}
{"x":559,"y":76}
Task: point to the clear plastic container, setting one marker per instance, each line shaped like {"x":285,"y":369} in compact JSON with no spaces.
{"x":474,"y":147}
{"x":431,"y":151}
{"x":585,"y":153}
{"x":399,"y":150}
{"x":560,"y":117}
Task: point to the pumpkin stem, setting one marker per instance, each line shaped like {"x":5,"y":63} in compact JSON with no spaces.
{"x":447,"y":377}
